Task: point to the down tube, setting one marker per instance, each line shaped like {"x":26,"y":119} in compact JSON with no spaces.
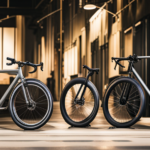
{"x":140,"y":80}
{"x":8,"y":90}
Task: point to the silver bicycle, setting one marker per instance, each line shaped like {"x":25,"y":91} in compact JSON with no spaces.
{"x":124,"y":100}
{"x":30,"y":103}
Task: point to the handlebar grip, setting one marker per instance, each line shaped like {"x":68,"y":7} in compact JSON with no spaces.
{"x":11,"y":59}
{"x":83,"y":66}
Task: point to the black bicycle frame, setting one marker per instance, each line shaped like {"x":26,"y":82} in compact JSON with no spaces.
{"x":86,"y":80}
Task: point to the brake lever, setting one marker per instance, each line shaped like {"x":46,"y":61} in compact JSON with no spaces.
{"x":41,"y":66}
{"x":115,"y":66}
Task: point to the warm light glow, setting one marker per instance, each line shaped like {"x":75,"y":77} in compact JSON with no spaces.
{"x":137,"y":24}
{"x":89,"y":7}
{"x":8,"y":46}
{"x":127,"y":30}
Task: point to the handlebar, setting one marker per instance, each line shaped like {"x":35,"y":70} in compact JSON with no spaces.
{"x":133,"y":58}
{"x":21,"y":64}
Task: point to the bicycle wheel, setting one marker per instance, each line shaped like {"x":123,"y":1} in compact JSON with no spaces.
{"x":79,"y":113}
{"x":36,"y":114}
{"x":124,"y":102}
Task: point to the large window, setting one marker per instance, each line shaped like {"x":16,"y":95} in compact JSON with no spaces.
{"x":7,"y":46}
{"x":70,"y":62}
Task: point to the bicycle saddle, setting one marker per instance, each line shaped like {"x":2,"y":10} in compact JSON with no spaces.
{"x":91,"y":69}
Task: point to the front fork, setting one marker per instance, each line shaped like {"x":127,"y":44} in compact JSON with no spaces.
{"x":26,"y":92}
{"x":127,"y":87}
{"x":24,"y":88}
{"x":125,"y":93}
{"x":89,"y":74}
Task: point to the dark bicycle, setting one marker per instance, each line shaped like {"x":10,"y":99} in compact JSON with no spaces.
{"x":80,"y":100}
{"x":124,"y":100}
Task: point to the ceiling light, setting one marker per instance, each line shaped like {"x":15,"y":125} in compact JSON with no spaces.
{"x":89,"y":7}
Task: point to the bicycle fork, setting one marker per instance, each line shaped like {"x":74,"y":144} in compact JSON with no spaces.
{"x":81,"y":98}
{"x":24,"y":87}
{"x":125,"y":93}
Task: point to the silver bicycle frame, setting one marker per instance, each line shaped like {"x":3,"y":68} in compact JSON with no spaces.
{"x":139,"y":78}
{"x":20,"y":76}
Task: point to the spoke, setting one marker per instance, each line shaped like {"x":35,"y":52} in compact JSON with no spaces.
{"x":133,"y":97}
{"x":35,"y":92}
{"x":41,"y":101}
{"x":116,"y":92}
{"x":131,"y":111}
{"x":133,"y":105}
{"x":132,"y":93}
{"x":41,"y":108}
{"x":38,"y":113}
{"x":40,"y":97}
{"x":135,"y":100}
{"x":23,"y":113}
{"x":21,"y":108}
{"x":119,"y":87}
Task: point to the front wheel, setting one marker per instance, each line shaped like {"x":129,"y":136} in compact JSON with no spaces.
{"x":36,"y":114}
{"x":79,"y":112}
{"x":124,"y":102}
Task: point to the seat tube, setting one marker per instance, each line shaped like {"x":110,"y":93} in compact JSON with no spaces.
{"x":23,"y":88}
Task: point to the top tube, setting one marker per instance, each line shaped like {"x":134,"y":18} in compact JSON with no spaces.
{"x":143,"y":57}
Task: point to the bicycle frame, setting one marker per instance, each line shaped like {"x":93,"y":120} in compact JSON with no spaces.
{"x":138,"y":77}
{"x":20,"y":76}
{"x":86,"y":80}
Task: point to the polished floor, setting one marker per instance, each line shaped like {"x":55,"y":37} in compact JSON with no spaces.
{"x":56,"y":135}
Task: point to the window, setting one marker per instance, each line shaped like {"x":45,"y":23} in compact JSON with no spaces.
{"x":8,"y":40}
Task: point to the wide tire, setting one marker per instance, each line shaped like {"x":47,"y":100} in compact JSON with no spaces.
{"x":73,"y":86}
{"x":123,"y":115}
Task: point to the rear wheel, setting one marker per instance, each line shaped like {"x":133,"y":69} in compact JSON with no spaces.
{"x":79,"y":112}
{"x":124,"y":102}
{"x":36,"y":114}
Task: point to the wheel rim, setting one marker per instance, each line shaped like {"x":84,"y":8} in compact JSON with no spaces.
{"x":75,"y":111}
{"x":119,"y":110}
{"x":24,"y":113}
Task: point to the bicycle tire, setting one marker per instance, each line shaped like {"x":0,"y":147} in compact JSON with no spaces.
{"x":92,"y":115}
{"x":12,"y":108}
{"x":109,"y":117}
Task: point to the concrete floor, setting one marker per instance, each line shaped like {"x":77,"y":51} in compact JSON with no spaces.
{"x":56,"y":134}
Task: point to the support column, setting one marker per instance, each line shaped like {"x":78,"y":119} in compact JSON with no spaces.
{"x":60,"y":89}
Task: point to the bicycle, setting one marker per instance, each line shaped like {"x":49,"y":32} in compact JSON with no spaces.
{"x":30,"y":103}
{"x":79,"y":101}
{"x":124,"y":99}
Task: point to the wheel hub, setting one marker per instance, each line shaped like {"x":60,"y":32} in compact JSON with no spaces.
{"x":79,"y":101}
{"x":32,"y":105}
{"x":123,"y":101}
